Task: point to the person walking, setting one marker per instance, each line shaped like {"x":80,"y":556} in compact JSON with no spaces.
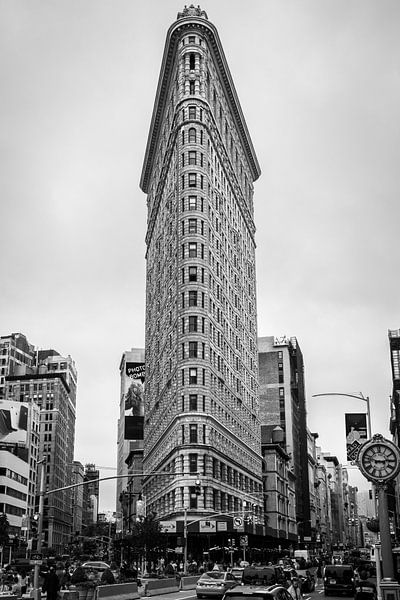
{"x":51,"y":584}
{"x":294,"y":589}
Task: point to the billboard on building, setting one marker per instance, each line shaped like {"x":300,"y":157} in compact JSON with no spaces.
{"x":134,"y":400}
{"x":356,"y":433}
{"x":13,"y":423}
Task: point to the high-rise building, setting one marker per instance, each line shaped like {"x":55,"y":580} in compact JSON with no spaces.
{"x":15,"y":353}
{"x":282,"y":402}
{"x":394,"y":496}
{"x":130,"y":428}
{"x":48,"y":381}
{"x":91,"y":491}
{"x":201,"y":395}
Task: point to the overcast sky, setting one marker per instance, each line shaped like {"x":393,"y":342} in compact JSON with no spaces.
{"x":319,"y":85}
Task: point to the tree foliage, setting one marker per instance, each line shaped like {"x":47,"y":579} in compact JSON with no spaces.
{"x":4,"y":529}
{"x":145,"y":537}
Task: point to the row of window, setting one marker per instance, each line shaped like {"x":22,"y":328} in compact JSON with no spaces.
{"x":192,"y":180}
{"x":192,"y":137}
{"x":194,"y":298}
{"x":4,"y":472}
{"x":192,"y":274}
{"x":12,"y":492}
{"x":192,"y":250}
{"x":192,"y":158}
{"x":9,"y":509}
{"x":194,"y":324}
{"x":192,"y":203}
{"x":193,"y":350}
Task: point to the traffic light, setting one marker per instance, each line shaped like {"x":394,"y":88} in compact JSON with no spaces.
{"x":34,"y":525}
{"x":197,"y":487}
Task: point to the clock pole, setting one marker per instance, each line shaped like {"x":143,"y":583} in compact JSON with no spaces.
{"x":384,"y":532}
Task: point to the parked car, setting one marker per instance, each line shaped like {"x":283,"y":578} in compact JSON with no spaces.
{"x":251,"y":592}
{"x":215,"y":584}
{"x":339,"y":579}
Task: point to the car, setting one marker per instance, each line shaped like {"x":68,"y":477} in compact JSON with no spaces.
{"x":264,"y":575}
{"x":258,"y":592}
{"x":339,"y":579}
{"x":96,"y":567}
{"x":215,"y":584}
{"x":238,"y":573}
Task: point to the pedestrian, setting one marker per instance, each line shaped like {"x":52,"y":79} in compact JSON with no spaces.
{"x":23,"y":580}
{"x":16,"y":587}
{"x":51,"y":584}
{"x":319,"y":573}
{"x":294,"y":589}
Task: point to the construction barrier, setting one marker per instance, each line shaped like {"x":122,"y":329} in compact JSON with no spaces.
{"x":154,"y":587}
{"x":189,"y":582}
{"x":118,"y":591}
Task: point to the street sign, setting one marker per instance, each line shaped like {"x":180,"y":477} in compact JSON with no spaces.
{"x":238,"y":523}
{"x":244,"y":540}
{"x":35,"y":562}
{"x":36,"y":556}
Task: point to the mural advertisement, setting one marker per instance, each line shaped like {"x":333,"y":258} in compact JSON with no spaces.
{"x":14,"y":423}
{"x":134,"y":400}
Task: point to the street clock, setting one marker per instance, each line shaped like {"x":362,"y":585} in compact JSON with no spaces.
{"x":379,"y":459}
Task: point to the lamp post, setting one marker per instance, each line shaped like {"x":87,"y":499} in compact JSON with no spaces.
{"x":360,"y":396}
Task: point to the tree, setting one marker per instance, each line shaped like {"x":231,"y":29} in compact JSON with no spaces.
{"x":146,"y":538}
{"x":4,"y":528}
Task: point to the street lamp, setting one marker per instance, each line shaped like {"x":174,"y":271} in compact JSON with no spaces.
{"x":360,"y":396}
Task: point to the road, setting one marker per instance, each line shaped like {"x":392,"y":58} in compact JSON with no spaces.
{"x":191,"y":595}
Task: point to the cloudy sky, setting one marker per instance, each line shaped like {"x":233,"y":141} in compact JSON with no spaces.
{"x":319,"y":85}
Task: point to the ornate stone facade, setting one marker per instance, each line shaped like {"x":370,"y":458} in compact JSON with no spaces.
{"x":201,"y":395}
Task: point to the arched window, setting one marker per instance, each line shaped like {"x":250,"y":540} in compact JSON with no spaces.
{"x":192,"y":135}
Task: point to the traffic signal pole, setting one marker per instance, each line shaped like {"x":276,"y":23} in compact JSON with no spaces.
{"x":37,"y":593}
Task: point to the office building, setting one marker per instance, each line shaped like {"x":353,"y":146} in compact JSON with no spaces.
{"x":394,"y":496}
{"x":48,"y":381}
{"x":130,"y":432}
{"x":282,"y":402}
{"x":201,"y":425}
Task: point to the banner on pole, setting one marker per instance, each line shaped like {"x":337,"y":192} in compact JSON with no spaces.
{"x":356,"y":433}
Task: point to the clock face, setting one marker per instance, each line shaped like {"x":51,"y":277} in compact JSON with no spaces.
{"x":379,"y":460}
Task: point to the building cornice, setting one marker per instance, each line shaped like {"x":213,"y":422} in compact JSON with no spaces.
{"x":170,"y":51}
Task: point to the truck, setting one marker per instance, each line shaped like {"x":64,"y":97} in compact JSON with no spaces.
{"x":302,"y":557}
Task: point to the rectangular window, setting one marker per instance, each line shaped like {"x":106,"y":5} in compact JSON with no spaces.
{"x":193,"y":402}
{"x":192,"y":202}
{"x":192,"y":181}
{"x":193,"y":376}
{"x":193,"y":498}
{"x":193,"y":464}
{"x":192,"y":226}
{"x":191,"y":88}
{"x":193,"y":433}
{"x":192,"y":112}
{"x":192,"y":273}
{"x":193,"y":298}
{"x":192,"y":324}
{"x":192,"y":157}
{"x":193,"y":346}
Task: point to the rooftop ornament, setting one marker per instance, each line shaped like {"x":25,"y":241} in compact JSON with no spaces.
{"x":192,"y":11}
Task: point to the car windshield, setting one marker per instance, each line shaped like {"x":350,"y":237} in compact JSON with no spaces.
{"x":249,"y":596}
{"x":213,"y":575}
{"x":339,"y":573}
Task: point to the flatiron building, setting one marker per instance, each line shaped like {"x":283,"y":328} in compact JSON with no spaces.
{"x":202,"y":450}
